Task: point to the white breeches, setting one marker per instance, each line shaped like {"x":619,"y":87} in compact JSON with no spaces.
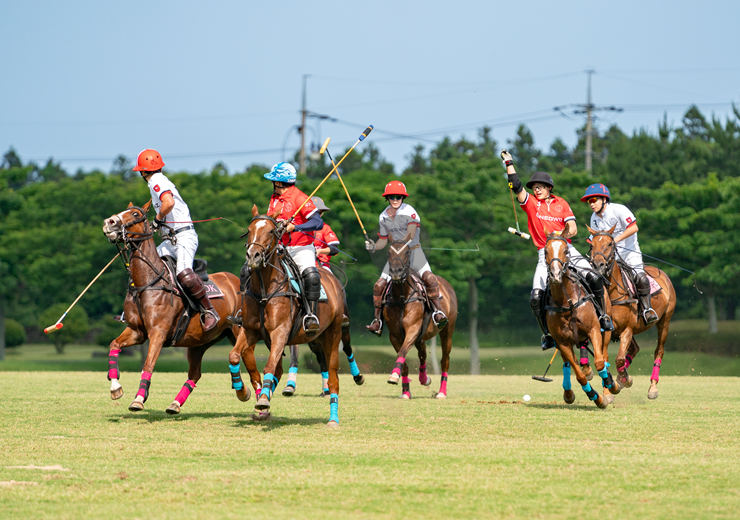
{"x":418,"y":263}
{"x":634,"y":260}
{"x":184,"y":251}
{"x":577,"y":260}
{"x":303,"y":256}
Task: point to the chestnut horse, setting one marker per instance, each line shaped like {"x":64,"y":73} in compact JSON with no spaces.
{"x":152,"y":310}
{"x":409,"y":322}
{"x":572,"y":318}
{"x":270,"y":309}
{"x":625,"y":313}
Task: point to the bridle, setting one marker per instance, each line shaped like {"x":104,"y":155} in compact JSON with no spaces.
{"x":395,"y":261}
{"x":276,"y":234}
{"x":609,"y":257}
{"x":563,"y":264}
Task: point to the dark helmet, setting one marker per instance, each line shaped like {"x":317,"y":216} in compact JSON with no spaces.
{"x":541,"y":177}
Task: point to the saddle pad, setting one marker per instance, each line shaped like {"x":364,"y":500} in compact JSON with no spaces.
{"x":297,"y":287}
{"x":654,"y":286}
{"x":212,"y":290}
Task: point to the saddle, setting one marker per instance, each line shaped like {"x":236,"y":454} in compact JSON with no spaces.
{"x":630,"y":284}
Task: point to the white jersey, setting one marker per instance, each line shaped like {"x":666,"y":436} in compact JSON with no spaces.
{"x":397,"y":227}
{"x":620,"y":216}
{"x":158,"y":186}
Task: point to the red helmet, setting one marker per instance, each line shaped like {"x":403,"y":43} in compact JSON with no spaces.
{"x":149,"y":161}
{"x":395,"y":188}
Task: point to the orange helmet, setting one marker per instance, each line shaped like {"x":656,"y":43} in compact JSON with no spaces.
{"x":149,"y":161}
{"x":395,"y":188}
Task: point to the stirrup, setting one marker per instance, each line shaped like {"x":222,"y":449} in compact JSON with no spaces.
{"x":548,"y":342}
{"x":442,"y":322}
{"x":378,"y":332}
{"x":203,"y":313}
{"x":315,"y":319}
{"x":650,"y":316}
{"x":234,"y":320}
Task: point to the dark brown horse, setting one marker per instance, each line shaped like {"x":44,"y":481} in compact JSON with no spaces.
{"x":409,"y":321}
{"x":572,"y":318}
{"x":625,"y":313}
{"x":270,"y":309}
{"x":152,"y":310}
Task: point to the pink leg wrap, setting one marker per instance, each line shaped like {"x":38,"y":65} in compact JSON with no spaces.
{"x":423,"y":373}
{"x":399,"y":365}
{"x":113,"y":372}
{"x":184,"y":393}
{"x":656,"y":371}
{"x":627,"y":363}
{"x":443,"y":385}
{"x":145,"y":376}
{"x":406,"y":381}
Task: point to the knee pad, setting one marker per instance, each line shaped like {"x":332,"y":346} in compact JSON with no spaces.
{"x":379,"y":287}
{"x":595,"y":283}
{"x":643,"y":284}
{"x":312,"y":283}
{"x":535,"y":300}
{"x":244,"y":275}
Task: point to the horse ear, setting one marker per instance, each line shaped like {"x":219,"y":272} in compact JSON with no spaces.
{"x":130,"y":205}
{"x":255,"y":211}
{"x":592,"y":231}
{"x":275,"y":214}
{"x":146,"y":206}
{"x":611,"y":231}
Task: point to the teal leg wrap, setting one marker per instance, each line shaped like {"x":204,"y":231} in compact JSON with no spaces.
{"x":566,"y":376}
{"x":590,"y":392}
{"x":325,"y":381}
{"x":268,"y":385}
{"x":236,"y":377}
{"x":292,"y":373}
{"x":334,"y":408}
{"x":353,"y":365}
{"x":606,"y":377}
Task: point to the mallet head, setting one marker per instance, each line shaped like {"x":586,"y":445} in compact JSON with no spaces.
{"x":542,"y":378}
{"x":515,"y":232}
{"x":323,"y":146}
{"x":54,"y":327}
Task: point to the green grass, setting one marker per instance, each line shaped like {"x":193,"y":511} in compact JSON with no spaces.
{"x":480,"y":454}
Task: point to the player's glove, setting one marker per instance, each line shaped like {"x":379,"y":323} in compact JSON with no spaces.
{"x":370,"y":245}
{"x":506,"y":157}
{"x":157,"y":224}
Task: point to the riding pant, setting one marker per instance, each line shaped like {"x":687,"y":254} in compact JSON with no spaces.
{"x":418,"y":263}
{"x":184,"y":250}
{"x":634,"y":260}
{"x":303,"y":256}
{"x":577,"y":260}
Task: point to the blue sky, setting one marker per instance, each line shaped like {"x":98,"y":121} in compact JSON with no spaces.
{"x":206,"y":81}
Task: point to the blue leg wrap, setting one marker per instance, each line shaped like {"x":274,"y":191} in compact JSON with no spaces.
{"x":334,"y":408}
{"x":353,"y":365}
{"x":293,"y":370}
{"x":236,"y":378}
{"x":590,"y":392}
{"x":325,"y":380}
{"x":566,"y":376}
{"x":267,"y":386}
{"x":606,"y":377}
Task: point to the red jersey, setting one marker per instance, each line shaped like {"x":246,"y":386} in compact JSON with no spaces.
{"x":553,"y":214}
{"x":288,"y":203}
{"x":325,"y":237}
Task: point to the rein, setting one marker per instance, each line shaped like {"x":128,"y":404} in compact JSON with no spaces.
{"x":406,"y":267}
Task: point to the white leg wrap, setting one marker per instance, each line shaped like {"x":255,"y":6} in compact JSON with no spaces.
{"x":114,"y":385}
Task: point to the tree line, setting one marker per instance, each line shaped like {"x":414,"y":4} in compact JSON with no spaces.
{"x":682,"y":182}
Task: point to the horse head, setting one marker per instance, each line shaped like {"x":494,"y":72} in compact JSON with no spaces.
{"x":128,"y":224}
{"x":603,"y":250}
{"x":399,"y":257}
{"x":556,"y":256}
{"x":264,"y":236}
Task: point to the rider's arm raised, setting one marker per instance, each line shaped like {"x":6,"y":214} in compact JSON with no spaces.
{"x":514,"y":182}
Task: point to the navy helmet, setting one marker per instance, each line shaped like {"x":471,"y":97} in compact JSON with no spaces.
{"x":596,"y":190}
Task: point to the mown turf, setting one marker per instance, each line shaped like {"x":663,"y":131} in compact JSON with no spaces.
{"x":480,"y":454}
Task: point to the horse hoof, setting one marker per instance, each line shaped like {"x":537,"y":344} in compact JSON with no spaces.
{"x":405,"y":396}
{"x":626,"y":382}
{"x":393,"y":379}
{"x":359,"y":379}
{"x":244,"y":394}
{"x":174,"y":408}
{"x":288,"y":391}
{"x":601,"y":403}
{"x":428,"y":381}
{"x":135,"y":406}
{"x":608,"y":398}
{"x":588,"y":372}
{"x":440,"y":396}
{"x":569,"y":396}
{"x":263,"y":403}
{"x":653,"y":393}
{"x":117,"y":393}
{"x":332,"y":424}
{"x":324,"y":393}
{"x":616,"y":388}
{"x":261,"y":415}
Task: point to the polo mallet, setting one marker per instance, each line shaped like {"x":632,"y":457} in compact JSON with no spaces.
{"x":511,"y":230}
{"x":58,"y":325}
{"x":542,"y":377}
{"x":325,"y":148}
{"x":359,"y":140}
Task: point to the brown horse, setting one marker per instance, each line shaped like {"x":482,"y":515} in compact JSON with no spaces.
{"x":572,"y":318}
{"x":152,"y":310}
{"x":270,"y":309}
{"x":625,"y":313}
{"x":408,"y":320}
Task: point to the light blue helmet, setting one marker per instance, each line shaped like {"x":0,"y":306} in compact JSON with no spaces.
{"x":282,"y":172}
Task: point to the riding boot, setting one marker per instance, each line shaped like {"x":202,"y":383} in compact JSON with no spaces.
{"x":643,"y":294}
{"x":537,"y":302}
{"x":243,"y":281}
{"x":312,"y":288}
{"x":432,"y":285}
{"x":597,"y":288}
{"x":192,"y":283}
{"x":376,"y":327}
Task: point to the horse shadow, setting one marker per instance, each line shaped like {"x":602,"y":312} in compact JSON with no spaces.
{"x":565,"y":406}
{"x":153,"y":416}
{"x":273,"y":423}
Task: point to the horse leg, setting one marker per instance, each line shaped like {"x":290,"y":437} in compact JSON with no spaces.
{"x":421,"y":347}
{"x":624,"y":359}
{"x":347,"y":348}
{"x":127,"y":338}
{"x":330,"y":345}
{"x":237,"y":353}
{"x":195,"y":358}
{"x":156,"y":340}
{"x":445,"y":335}
{"x":585,"y":367}
{"x":317,"y":349}
{"x":568,"y":395}
{"x":412,"y":329}
{"x":602,"y":365}
{"x":593,"y":395}
{"x":405,"y":382}
{"x":290,"y":386}
{"x":658,"y":359}
{"x":273,"y":370}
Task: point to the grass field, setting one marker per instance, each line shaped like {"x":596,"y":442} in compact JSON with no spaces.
{"x":480,"y":454}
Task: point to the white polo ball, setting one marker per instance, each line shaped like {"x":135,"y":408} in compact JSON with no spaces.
{"x":527,"y":398}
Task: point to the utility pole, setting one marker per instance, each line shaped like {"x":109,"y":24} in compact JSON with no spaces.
{"x":588,"y":109}
{"x":302,"y":130}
